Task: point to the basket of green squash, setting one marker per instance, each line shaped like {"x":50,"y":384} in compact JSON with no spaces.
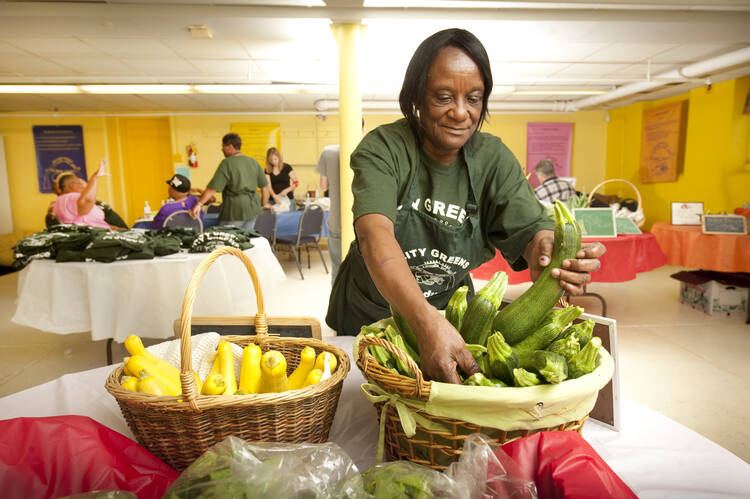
{"x":542,"y":368}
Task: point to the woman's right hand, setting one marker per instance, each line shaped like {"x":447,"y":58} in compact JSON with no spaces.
{"x":443,"y":350}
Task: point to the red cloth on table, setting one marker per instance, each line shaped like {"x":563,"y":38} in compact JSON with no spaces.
{"x":688,"y":246}
{"x":626,"y":255}
{"x":65,"y":455}
{"x":563,"y":465}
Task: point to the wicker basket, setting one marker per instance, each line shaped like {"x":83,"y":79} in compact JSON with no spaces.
{"x":435,"y":449}
{"x":180,"y":429}
{"x":640,"y":220}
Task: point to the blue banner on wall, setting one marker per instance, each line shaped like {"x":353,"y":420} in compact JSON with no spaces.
{"x":58,"y":149}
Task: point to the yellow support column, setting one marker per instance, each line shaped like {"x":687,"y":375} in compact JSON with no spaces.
{"x":350,"y":119}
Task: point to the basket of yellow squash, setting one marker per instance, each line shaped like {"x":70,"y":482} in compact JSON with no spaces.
{"x":278,"y":396}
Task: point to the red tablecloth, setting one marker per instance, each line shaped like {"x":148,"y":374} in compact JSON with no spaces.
{"x":688,"y":246}
{"x":626,"y":255}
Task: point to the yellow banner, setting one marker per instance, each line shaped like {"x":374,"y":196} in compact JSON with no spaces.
{"x":660,"y":143}
{"x":257,"y":138}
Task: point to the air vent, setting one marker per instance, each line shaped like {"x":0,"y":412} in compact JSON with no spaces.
{"x":200,"y":31}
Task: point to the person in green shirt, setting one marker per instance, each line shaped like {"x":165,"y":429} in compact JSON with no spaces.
{"x":238,"y":178}
{"x":433,"y":199}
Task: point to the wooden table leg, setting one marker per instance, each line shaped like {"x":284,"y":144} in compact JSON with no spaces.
{"x":109,"y":351}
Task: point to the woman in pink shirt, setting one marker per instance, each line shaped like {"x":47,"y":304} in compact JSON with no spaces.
{"x":77,"y":201}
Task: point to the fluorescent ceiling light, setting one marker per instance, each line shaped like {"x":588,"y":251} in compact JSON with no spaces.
{"x":281,"y":88}
{"x":136,"y":89}
{"x":446,"y":4}
{"x":39,"y":89}
{"x":560,"y":92}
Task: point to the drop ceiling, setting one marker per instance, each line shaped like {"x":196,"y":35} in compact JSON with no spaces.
{"x":551,"y":48}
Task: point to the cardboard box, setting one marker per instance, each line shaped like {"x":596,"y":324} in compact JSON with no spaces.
{"x":714,"y":292}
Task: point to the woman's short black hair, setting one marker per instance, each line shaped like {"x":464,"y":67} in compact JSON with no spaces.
{"x":415,"y":79}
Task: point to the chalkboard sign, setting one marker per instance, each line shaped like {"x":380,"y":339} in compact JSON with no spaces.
{"x":296,"y":327}
{"x":626,"y":226}
{"x":724,"y":224}
{"x":596,"y":222}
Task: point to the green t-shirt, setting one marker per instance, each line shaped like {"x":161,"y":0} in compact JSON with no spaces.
{"x":509,"y":214}
{"x":238,"y":179}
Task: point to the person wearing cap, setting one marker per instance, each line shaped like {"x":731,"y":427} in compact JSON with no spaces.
{"x":179,"y":192}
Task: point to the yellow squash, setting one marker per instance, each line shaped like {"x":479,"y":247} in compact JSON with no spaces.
{"x":130,"y":383}
{"x":150,"y":383}
{"x":215,"y":384}
{"x":306,"y":363}
{"x":226,"y":367}
{"x":135,"y":346}
{"x":138,"y":363}
{"x":273,"y":372}
{"x":250,"y":370}
{"x":313,"y":377}
{"x":332,"y":362}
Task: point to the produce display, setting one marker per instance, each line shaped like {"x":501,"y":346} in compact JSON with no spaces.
{"x":259,"y":372}
{"x":526,"y":343}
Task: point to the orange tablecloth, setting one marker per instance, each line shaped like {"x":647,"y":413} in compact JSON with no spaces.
{"x":688,"y":246}
{"x":626,"y":255}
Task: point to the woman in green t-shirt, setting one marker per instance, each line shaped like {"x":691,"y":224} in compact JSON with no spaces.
{"x":433,"y":199}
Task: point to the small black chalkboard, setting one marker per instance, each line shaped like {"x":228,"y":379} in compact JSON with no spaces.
{"x":724,"y":224}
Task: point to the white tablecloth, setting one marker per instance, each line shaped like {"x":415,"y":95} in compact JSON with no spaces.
{"x":143,"y":297}
{"x":654,"y":455}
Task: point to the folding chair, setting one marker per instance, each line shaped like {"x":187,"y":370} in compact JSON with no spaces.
{"x":182,"y":218}
{"x":308,"y":233}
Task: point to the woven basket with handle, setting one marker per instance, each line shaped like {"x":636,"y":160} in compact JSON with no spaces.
{"x":180,"y":429}
{"x":436,"y":449}
{"x":641,"y":219}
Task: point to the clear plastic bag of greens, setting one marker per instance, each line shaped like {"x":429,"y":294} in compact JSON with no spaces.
{"x":240,"y":469}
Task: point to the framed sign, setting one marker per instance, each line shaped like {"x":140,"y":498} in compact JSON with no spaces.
{"x":596,"y":222}
{"x":724,"y":224}
{"x":626,"y":226}
{"x":686,"y":213}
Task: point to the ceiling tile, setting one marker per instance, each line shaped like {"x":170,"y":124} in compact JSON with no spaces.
{"x":628,"y":52}
{"x":31,"y":66}
{"x":208,"y":49}
{"x":508,"y":71}
{"x":48,"y":47}
{"x":7,"y":48}
{"x":642,"y":70}
{"x":95,"y":66}
{"x":164,"y":68}
{"x":131,"y":47}
{"x":590,"y":70}
{"x":544,"y":51}
{"x":234,"y":67}
{"x":692,"y":52}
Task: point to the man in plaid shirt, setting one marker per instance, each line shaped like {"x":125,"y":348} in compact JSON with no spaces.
{"x":551,"y":187}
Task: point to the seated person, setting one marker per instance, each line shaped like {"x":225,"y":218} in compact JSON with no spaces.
{"x":77,"y":201}
{"x":551,"y":187}
{"x":114,"y":220}
{"x":179,"y":192}
{"x":281,"y":178}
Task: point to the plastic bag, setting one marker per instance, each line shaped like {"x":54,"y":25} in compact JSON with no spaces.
{"x":63,"y":455}
{"x":236,"y":468}
{"x":103,"y":494}
{"x":283,"y":205}
{"x":563,"y":464}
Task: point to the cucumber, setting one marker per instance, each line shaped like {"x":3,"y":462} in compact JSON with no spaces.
{"x":523,"y":316}
{"x":477,"y":321}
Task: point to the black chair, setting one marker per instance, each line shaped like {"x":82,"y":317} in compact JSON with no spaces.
{"x":182,"y":218}
{"x":265,"y":225}
{"x":308,"y":233}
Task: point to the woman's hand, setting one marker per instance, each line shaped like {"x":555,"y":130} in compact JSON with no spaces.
{"x":575,"y":273}
{"x":443,"y":350}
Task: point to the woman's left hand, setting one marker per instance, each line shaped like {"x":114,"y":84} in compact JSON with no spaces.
{"x":576,"y":273}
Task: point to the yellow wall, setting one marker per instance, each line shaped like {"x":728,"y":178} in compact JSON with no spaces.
{"x":715,"y":156}
{"x":302,"y":139}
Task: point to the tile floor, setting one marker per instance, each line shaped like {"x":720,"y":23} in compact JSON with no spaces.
{"x":689,"y":366}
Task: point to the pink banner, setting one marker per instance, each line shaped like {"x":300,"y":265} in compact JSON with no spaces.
{"x":548,"y":140}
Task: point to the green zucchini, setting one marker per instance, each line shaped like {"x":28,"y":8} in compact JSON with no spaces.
{"x":585,"y":361}
{"x":501,"y":358}
{"x":566,"y":346}
{"x":380,"y":354}
{"x":523,"y":315}
{"x":582,"y":330}
{"x":480,"y":355}
{"x":477,"y":321}
{"x":456,"y":307}
{"x":394,"y":337}
{"x":478,"y":379}
{"x":405,"y":330}
{"x":552,"y":366}
{"x":522,"y":377}
{"x":554,"y":323}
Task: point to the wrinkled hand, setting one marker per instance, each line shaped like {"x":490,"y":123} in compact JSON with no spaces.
{"x":442,"y":350}
{"x":575,"y":273}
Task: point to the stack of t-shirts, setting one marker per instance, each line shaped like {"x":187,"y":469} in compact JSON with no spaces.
{"x":186,"y":235}
{"x":224,"y":235}
{"x":125,"y":245}
{"x":54,"y":242}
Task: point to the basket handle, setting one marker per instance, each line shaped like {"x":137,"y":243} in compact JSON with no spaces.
{"x":381,"y":342}
{"x":261,"y":321}
{"x":635,"y":189}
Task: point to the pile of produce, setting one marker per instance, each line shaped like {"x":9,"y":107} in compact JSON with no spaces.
{"x":526,"y":343}
{"x":259,"y":373}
